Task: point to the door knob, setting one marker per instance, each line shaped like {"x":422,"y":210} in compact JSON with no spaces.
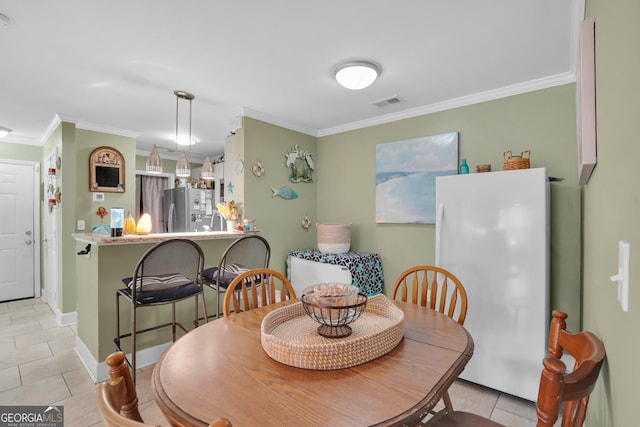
{"x":28,"y":242}
{"x":28,"y":232}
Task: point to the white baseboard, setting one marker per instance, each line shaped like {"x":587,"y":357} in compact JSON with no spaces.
{"x":99,"y":371}
{"x":66,"y":319}
{"x":62,"y":319}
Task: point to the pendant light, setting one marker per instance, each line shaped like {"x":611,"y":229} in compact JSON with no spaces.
{"x":154,"y":162}
{"x":183,"y":169}
{"x":207,"y":169}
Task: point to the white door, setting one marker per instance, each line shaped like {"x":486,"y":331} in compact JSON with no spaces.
{"x":17,"y":230}
{"x":51,"y":235}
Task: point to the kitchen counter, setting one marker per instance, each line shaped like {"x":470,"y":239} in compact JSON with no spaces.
{"x":106,"y":239}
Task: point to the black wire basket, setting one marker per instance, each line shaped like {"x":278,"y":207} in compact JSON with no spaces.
{"x":334,"y":316}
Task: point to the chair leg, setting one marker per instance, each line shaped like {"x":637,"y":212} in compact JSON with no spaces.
{"x":173,"y":320}
{"x":218,"y":302}
{"x":117,"y":340}
{"x":196,"y":323}
{"x":133,"y":341}
{"x":447,"y":401}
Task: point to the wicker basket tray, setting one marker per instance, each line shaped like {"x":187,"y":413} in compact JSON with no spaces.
{"x":517,"y":162}
{"x":290,"y":337}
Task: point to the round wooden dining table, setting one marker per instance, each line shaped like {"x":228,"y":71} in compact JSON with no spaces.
{"x":221,"y":370}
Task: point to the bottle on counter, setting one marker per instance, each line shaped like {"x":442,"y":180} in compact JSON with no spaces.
{"x":464,"y":168}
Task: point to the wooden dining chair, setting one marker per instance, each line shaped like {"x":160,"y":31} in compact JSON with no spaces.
{"x":438,"y":289}
{"x":243,"y":293}
{"x":117,"y":398}
{"x":247,"y":252}
{"x":557,"y":385}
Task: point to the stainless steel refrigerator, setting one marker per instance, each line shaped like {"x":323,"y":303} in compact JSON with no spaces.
{"x":188,"y":209}
{"x":492,"y":232}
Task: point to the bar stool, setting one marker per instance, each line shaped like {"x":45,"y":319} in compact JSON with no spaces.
{"x":244,"y":254}
{"x":168,"y":272}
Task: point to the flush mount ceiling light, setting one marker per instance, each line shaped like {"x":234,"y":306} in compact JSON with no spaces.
{"x":357,"y":75}
{"x":183,"y":169}
{"x":4,"y":132}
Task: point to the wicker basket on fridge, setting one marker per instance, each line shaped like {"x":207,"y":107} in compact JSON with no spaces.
{"x":512,"y":162}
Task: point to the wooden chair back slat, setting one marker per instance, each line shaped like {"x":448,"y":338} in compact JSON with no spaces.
{"x":256,"y":288}
{"x":432,"y":287}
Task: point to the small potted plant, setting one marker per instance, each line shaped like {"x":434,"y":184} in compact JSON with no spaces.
{"x":102,"y":228}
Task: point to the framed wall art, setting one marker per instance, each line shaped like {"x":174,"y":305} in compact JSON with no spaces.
{"x":406,"y":177}
{"x":106,"y":170}
{"x":586,"y":102}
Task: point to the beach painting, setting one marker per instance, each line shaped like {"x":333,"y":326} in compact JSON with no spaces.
{"x":406,"y":177}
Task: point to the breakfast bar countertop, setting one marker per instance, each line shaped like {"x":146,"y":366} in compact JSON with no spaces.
{"x":106,"y":239}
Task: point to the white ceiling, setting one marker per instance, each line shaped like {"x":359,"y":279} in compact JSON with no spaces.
{"x":113,"y":65}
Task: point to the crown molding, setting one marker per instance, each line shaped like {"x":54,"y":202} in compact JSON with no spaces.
{"x":531,"y":86}
{"x":106,"y":129}
{"x":53,"y":125}
{"x":248,"y":112}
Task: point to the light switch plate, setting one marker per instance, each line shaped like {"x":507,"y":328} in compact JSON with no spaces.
{"x":623,"y":275}
{"x":623,"y":266}
{"x":98,"y":197}
{"x":80,"y":225}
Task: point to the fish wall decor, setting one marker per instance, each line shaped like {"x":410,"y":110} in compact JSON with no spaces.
{"x":285,"y":192}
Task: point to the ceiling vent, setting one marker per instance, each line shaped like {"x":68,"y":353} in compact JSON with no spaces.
{"x":388,"y":101}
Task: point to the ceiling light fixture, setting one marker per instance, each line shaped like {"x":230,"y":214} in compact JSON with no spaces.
{"x":154,"y":161}
{"x":4,"y":132}
{"x":357,"y":75}
{"x":207,"y":169}
{"x":183,"y":169}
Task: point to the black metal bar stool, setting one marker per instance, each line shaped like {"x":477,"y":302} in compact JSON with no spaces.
{"x":168,"y":272}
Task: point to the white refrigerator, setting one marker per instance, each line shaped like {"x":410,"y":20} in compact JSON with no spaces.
{"x":492,"y":232}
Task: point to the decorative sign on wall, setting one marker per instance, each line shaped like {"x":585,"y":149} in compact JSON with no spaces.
{"x":406,"y":177}
{"x":106,"y":170}
{"x":586,"y":102}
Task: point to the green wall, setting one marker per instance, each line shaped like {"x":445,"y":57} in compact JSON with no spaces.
{"x":86,"y":142}
{"x":611,"y":210}
{"x":541,"y":121}
{"x":30,"y":153}
{"x":279,"y":219}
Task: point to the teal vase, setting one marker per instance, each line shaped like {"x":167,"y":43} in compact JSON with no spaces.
{"x":464,"y":168}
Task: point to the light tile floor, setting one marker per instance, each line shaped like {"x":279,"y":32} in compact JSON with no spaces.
{"x":38,"y":366}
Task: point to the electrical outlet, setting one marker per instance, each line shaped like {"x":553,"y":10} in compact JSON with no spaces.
{"x":80,"y":225}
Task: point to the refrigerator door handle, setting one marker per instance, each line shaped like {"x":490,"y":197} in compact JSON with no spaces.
{"x":439,"y":219}
{"x":172,"y":210}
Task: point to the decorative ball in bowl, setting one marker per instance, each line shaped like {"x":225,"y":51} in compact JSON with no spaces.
{"x":334,"y":306}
